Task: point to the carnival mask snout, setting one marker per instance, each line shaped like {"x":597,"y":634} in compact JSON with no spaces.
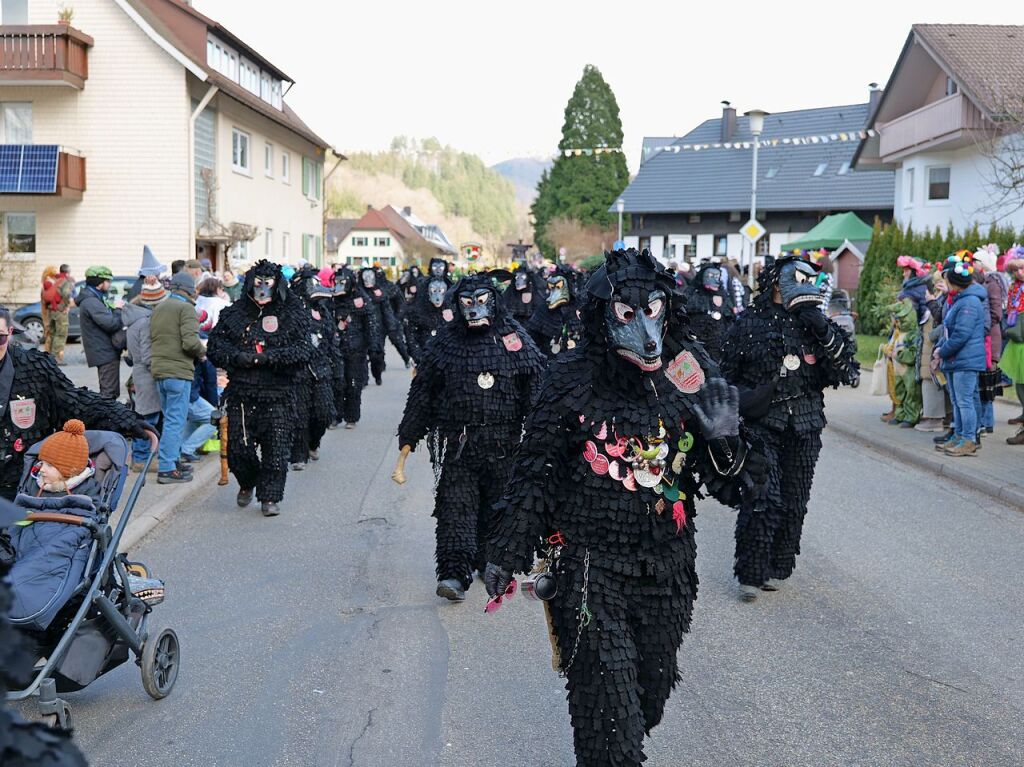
{"x":263,"y":290}
{"x":636,"y":333}
{"x":477,"y":307}
{"x":435,"y":292}
{"x":798,"y":285}
{"x":558,"y":292}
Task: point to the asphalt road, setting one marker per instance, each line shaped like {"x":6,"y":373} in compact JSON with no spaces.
{"x":315,"y":638}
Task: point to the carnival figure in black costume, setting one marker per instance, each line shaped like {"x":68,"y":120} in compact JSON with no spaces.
{"x":782,"y":352}
{"x":359,"y":331}
{"x":263,"y":342}
{"x":36,"y":398}
{"x":316,"y":380}
{"x":469,"y":399}
{"x":626,"y":430}
{"x":381,"y":305}
{"x":409,"y":284}
{"x":425,"y":315}
{"x":555,"y":324}
{"x":524,"y":295}
{"x":709,"y":307}
{"x":391,"y":291}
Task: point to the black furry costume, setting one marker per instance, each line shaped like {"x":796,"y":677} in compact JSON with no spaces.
{"x":316,"y":380}
{"x":606,"y":478}
{"x":409,"y":284}
{"x":523,"y":295}
{"x":709,"y":307}
{"x":787,"y":358}
{"x":36,"y":393}
{"x":555,"y":324}
{"x":424,"y":316}
{"x":359,"y":331}
{"x":469,"y":399}
{"x":381,"y":303}
{"x":24,"y":744}
{"x":264,"y":349}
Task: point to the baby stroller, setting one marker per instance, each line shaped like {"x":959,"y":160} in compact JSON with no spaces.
{"x":839,"y":311}
{"x":85,"y":616}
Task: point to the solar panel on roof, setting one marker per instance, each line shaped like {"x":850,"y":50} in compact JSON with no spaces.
{"x":28,"y":168}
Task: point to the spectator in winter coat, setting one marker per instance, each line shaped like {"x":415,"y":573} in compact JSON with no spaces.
{"x":149,"y":273}
{"x":174,"y":332}
{"x":996,"y":291}
{"x":961,"y":352}
{"x":100,"y":325}
{"x":146,"y":400}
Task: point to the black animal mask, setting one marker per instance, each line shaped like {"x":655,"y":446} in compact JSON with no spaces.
{"x":636,"y":328}
{"x":438,"y":268}
{"x":711,"y":278}
{"x":265,"y":284}
{"x":522,"y":280}
{"x":559,"y":290}
{"x":798,"y":284}
{"x":369,"y":278}
{"x":477,"y":306}
{"x":344,"y":282}
{"x":436,"y":290}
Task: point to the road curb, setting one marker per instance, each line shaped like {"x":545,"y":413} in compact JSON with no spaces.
{"x":1007,"y":493}
{"x":171,"y":499}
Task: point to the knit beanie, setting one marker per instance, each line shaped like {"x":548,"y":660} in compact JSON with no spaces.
{"x":151,"y":295}
{"x":67,"y":451}
{"x":184,"y":283}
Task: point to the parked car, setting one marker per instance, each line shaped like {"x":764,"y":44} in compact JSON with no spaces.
{"x":31,"y":317}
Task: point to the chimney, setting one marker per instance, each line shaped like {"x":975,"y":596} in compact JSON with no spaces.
{"x":728,"y":121}
{"x":407,"y":211}
{"x":369,"y":208}
{"x":874,"y":96}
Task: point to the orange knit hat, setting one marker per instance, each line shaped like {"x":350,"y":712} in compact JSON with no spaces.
{"x":67,"y":451}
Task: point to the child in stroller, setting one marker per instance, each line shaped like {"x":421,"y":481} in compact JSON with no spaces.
{"x":81,"y":604}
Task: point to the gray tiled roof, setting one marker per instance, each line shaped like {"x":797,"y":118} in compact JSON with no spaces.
{"x":337,"y":230}
{"x":719,"y":179}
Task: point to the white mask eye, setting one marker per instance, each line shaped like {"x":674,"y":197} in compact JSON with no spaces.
{"x":623,"y":312}
{"x":482,"y":299}
{"x":654,"y":308}
{"x":799,"y":278}
{"x":466,"y":301}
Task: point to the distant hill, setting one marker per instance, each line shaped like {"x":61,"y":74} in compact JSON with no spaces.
{"x":524,"y":173}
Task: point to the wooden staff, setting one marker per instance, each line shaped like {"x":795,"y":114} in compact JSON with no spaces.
{"x":223,"y":450}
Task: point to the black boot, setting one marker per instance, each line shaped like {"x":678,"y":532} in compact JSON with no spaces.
{"x":270,"y":509}
{"x":244,"y":497}
{"x":451,"y":589}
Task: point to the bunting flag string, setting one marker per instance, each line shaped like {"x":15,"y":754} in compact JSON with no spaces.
{"x":825,"y":138}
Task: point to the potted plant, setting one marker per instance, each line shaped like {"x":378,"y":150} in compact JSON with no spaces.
{"x":65,"y":13}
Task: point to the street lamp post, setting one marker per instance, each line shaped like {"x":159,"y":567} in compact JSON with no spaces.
{"x":620,"y":205}
{"x":756,"y":118}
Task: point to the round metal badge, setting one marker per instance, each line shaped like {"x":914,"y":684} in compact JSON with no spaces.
{"x":716,"y":315}
{"x":791,"y":362}
{"x":485,"y":380}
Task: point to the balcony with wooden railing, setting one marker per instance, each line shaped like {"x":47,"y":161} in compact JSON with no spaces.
{"x":44,"y":54}
{"x":948,"y":123}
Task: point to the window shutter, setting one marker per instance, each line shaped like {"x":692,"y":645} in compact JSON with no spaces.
{"x":305,"y":177}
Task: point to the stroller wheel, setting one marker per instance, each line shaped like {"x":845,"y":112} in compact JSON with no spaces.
{"x":161,"y":657}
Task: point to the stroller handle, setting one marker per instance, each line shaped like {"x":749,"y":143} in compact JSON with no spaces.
{"x":46,"y":516}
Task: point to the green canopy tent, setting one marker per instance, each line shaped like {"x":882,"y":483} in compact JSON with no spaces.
{"x":831,"y":232}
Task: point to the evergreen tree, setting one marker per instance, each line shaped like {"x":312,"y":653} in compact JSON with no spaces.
{"x":583,"y":187}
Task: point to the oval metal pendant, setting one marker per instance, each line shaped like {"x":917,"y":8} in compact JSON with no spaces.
{"x":485,"y":380}
{"x":791,"y":362}
{"x":646,"y":478}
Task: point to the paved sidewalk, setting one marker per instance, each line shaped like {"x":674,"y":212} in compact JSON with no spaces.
{"x":997,"y":470}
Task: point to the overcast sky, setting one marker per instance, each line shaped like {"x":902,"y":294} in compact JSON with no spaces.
{"x":493,"y":78}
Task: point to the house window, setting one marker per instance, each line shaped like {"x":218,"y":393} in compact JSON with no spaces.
{"x":909,"y":179}
{"x":360,"y":242}
{"x":734,"y":217}
{"x":240,"y":151}
{"x":694,"y":218}
{"x":16,"y":123}
{"x":382,"y":242}
{"x":844,"y":168}
{"x":14,"y":12}
{"x":820,"y":170}
{"x":312,"y":178}
{"x":249,"y":77}
{"x":265,"y":87}
{"x":240,"y":251}
{"x":938,"y":183}
{"x":951,"y":86}
{"x":20,"y":229}
{"x":268,"y":160}
{"x":286,"y":245}
{"x":286,"y":167}
{"x":690,"y":249}
{"x":268,"y":242}
{"x":721,"y":245}
{"x":764,"y":246}
{"x":771,"y":173}
{"x":275,"y":94}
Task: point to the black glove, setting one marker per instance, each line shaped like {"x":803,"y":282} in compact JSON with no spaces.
{"x":259,"y":359}
{"x":496,"y":579}
{"x":244,"y":359}
{"x":408,"y":362}
{"x":142,"y":429}
{"x":813,"y":319}
{"x":718,"y":410}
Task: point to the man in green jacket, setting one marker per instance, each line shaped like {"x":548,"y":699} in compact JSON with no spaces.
{"x":174,"y":332}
